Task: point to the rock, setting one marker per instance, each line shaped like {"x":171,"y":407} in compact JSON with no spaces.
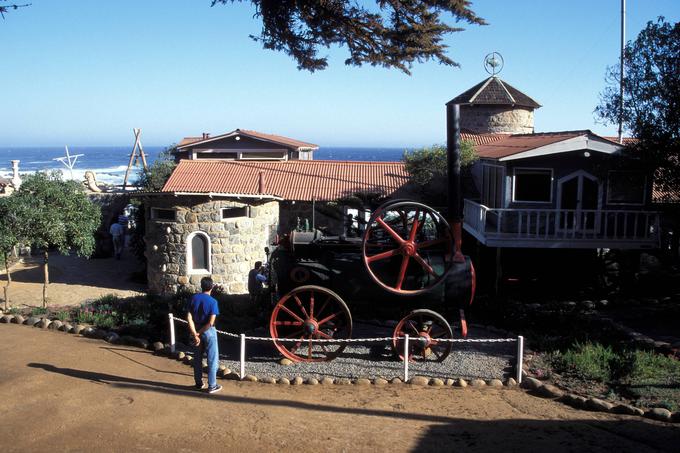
{"x":158,"y":346}
{"x":6,"y":319}
{"x":478,"y":383}
{"x":98,"y":333}
{"x":460,"y":382}
{"x":419,"y":380}
{"x":597,"y":405}
{"x":32,"y":321}
{"x":659,"y":413}
{"x":55,"y":325}
{"x":44,"y":323}
{"x":78,"y":328}
{"x":531,"y":383}
{"x":495,"y":383}
{"x":286,"y":362}
{"x":139,"y":343}
{"x":436,"y":382}
{"x":380,"y":381}
{"x":312,"y":381}
{"x":603,"y":303}
{"x":363,"y":382}
{"x":511,"y":382}
{"x":327,"y":381}
{"x":183,"y":280}
{"x":588,"y":304}
{"x":233,"y":376}
{"x":223,"y":372}
{"x":343,"y":381}
{"x":396,"y":380}
{"x":250,"y":378}
{"x":297,"y":380}
{"x":86,"y":331}
{"x":549,"y":391}
{"x":18,"y":319}
{"x":178,"y":355}
{"x":66,"y":327}
{"x":111,"y":337}
{"x":268,"y":380}
{"x":283,"y":381}
{"x":627,"y":409}
{"x":675,"y":418}
{"x":449,"y":382}
{"x":188,"y":359}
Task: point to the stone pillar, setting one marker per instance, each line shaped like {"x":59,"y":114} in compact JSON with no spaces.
{"x":16,"y":179}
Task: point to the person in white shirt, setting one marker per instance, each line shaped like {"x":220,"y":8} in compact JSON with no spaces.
{"x":117,"y":233}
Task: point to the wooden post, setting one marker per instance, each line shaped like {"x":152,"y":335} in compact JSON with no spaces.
{"x":46,"y":274}
{"x":9,"y":280}
{"x":133,"y":155}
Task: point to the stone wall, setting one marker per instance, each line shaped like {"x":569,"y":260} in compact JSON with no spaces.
{"x":497,"y":119}
{"x":235,"y":243}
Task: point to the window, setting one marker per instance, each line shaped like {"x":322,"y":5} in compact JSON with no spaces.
{"x":217,"y":155}
{"x":532,"y":185}
{"x":163,"y":214}
{"x":198,"y":253}
{"x":264,"y":155}
{"x":626,"y":187}
{"x":231,"y":213}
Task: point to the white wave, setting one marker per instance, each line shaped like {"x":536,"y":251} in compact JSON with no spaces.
{"x":108,"y":175}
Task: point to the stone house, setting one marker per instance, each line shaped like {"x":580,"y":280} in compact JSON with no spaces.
{"x":215,"y":216}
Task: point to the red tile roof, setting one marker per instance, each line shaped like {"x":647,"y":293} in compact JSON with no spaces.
{"x":481,"y":139}
{"x":291,"y":180}
{"x":278,"y":139}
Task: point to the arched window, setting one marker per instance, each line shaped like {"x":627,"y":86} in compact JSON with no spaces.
{"x":198,"y":253}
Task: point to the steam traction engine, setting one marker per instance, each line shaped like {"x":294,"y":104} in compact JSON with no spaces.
{"x":408,"y":256}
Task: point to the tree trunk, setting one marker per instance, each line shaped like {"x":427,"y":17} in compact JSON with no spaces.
{"x":46,"y":273}
{"x":9,"y":280}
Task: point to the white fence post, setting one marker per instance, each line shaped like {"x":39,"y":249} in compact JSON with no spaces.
{"x":406,"y":358}
{"x":243,"y":355}
{"x":520,"y":358}
{"x":171,"y":319}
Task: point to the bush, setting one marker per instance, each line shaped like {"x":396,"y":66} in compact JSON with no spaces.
{"x":590,"y":361}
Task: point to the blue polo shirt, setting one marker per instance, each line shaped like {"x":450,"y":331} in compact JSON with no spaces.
{"x":201,"y":307}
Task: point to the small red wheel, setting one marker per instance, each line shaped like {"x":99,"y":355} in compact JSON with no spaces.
{"x":407,"y":247}
{"x":425,"y":329}
{"x":308,"y":314}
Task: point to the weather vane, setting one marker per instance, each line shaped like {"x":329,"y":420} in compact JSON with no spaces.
{"x":69,"y":161}
{"x":493,"y":63}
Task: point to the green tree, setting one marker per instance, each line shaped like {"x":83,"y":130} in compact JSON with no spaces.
{"x":61,"y":217}
{"x":392,"y":34}
{"x":651,"y":100}
{"x":13,"y":219}
{"x":159,"y":171}
{"x":429,"y":163}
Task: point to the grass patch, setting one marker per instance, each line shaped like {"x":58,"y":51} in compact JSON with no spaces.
{"x":645,"y":378}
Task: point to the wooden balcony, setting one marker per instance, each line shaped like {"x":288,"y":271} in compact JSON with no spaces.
{"x":562,"y":228}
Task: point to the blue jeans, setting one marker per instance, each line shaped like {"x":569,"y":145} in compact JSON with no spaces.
{"x":209,"y":347}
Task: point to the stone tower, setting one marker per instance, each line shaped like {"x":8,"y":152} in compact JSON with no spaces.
{"x":494,"y":106}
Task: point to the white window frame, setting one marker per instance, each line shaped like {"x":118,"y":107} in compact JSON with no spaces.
{"x":231,"y":219}
{"x":152,"y":214}
{"x":617,"y":203}
{"x":514,"y":183}
{"x":241,"y":154}
{"x":189,"y":255}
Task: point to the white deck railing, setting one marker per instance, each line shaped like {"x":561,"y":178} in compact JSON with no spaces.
{"x":560,"y":225}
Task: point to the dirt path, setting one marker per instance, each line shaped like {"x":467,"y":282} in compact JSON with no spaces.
{"x":73,"y":280}
{"x":61,"y":392}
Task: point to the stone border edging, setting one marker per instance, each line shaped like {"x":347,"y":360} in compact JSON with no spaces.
{"x":532,"y":385}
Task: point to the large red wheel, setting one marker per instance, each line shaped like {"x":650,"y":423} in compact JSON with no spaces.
{"x":425,"y":329}
{"x":308,"y":314}
{"x":407,"y":247}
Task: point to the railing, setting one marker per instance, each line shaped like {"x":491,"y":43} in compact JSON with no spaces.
{"x":572,"y":225}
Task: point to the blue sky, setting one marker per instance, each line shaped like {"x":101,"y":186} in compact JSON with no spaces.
{"x":85,"y":72}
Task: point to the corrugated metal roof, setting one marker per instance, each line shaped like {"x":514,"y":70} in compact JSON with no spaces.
{"x":291,"y":180}
{"x":481,"y":139}
{"x":514,"y":144}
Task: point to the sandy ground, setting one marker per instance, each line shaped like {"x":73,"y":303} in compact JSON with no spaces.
{"x":66,"y":393}
{"x":73,"y":280}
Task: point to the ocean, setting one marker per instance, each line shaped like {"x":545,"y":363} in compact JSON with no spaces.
{"x":110,"y":162}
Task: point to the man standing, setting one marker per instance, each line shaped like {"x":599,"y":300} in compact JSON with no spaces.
{"x":255,"y":280}
{"x":117,"y":233}
{"x":201,"y":315}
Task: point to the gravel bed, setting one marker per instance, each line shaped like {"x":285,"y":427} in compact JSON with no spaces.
{"x":370,"y":360}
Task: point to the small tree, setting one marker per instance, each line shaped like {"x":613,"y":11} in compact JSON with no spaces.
{"x":159,"y":171}
{"x":13,"y":218}
{"x":61,"y":217}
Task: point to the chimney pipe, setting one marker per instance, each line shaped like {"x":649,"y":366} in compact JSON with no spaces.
{"x":206,"y":135}
{"x":261,"y":187}
{"x":16,"y":179}
{"x":453,"y":159}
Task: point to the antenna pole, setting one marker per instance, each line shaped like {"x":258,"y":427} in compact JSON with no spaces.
{"x":623,"y":48}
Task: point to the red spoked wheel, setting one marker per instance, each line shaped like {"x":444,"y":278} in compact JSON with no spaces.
{"x":407,"y":247}
{"x":308,"y":314}
{"x":425,"y":329}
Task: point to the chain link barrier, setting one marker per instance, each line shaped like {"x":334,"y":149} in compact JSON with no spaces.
{"x":362,"y":340}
